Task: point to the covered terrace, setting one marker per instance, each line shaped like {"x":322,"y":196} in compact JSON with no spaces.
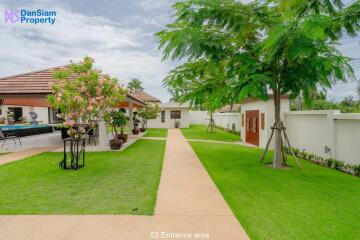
{"x":31,"y":89}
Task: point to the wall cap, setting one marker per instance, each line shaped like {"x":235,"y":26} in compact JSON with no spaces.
{"x":347,"y":116}
{"x":313,"y":112}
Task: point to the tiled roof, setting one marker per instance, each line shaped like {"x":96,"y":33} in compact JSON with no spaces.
{"x":145,"y":97}
{"x":27,"y":83}
{"x":36,"y":84}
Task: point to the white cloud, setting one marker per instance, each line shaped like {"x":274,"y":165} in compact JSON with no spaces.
{"x":125,"y":50}
{"x":119,"y":51}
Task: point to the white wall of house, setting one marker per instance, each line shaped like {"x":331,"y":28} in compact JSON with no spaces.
{"x":316,"y":131}
{"x":199,"y":117}
{"x":43,"y":114}
{"x":168,"y":122}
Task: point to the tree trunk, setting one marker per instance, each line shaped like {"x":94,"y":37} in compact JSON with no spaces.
{"x":278,"y":161}
{"x":298,"y":103}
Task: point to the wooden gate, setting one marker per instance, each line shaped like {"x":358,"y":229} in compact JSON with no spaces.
{"x":252,"y":127}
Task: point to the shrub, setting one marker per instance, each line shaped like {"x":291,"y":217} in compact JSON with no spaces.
{"x":357,"y":170}
{"x":329,"y":162}
{"x":338,"y":164}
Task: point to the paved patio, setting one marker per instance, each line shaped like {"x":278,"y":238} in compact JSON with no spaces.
{"x":42,"y":140}
{"x":188,"y":204}
{"x":33,"y":145}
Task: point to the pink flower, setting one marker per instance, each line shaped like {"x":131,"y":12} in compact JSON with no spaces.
{"x":78,"y":98}
{"x":70,"y":123}
{"x":90,"y":108}
{"x":82,"y":130}
{"x":98,"y":91}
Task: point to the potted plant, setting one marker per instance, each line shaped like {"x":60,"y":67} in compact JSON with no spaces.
{"x":83,"y":96}
{"x":117,"y":119}
{"x":177,"y":123}
{"x":121,"y":120}
{"x":136,"y":121}
{"x":149,"y":111}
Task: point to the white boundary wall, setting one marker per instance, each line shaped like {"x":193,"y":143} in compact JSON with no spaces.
{"x":227,"y":120}
{"x":199,"y":117}
{"x":314,"y":131}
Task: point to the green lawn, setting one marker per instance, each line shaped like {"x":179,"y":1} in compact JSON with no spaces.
{"x":111,"y":183}
{"x":156,"y":132}
{"x":315,"y":203}
{"x":199,"y":132}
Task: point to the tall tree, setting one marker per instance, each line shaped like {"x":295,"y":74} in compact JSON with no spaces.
{"x":135,"y":85}
{"x":279,"y":46}
{"x":201,"y":83}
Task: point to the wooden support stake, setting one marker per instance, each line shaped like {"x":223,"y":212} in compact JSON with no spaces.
{"x":268,"y":143}
{"x":288,"y":142}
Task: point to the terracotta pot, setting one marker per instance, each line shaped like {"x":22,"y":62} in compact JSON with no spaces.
{"x":115,"y":144}
{"x":135,"y":131}
{"x":123,"y":137}
{"x":142,"y":129}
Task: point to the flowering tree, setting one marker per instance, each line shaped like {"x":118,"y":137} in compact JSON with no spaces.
{"x":84,"y":96}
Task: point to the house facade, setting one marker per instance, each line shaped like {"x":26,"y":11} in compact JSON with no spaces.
{"x":169,"y":114}
{"x":257,"y":117}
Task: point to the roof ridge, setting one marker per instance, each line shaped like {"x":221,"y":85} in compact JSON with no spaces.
{"x":27,"y":73}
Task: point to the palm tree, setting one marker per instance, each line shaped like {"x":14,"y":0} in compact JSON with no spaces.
{"x":135,"y":85}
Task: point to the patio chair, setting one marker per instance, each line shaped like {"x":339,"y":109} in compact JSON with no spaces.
{"x":5,"y":136}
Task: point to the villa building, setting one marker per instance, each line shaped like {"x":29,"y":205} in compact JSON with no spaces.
{"x":170,"y":113}
{"x":27,"y":92}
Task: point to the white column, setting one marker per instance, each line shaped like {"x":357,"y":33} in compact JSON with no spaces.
{"x":103,"y":136}
{"x":131,"y":122}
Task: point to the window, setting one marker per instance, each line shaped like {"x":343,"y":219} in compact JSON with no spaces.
{"x":242,"y":120}
{"x":175,"y":114}
{"x":162,"y":116}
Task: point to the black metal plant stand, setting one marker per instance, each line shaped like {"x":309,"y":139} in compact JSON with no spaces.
{"x":75,"y":159}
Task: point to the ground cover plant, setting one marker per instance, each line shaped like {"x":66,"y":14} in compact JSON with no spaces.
{"x":199,"y":132}
{"x":112,"y":183}
{"x":313,"y":203}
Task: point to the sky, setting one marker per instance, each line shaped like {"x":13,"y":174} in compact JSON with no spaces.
{"x":118,"y":34}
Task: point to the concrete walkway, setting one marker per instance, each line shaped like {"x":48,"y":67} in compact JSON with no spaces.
{"x":15,"y":156}
{"x":189,"y":206}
